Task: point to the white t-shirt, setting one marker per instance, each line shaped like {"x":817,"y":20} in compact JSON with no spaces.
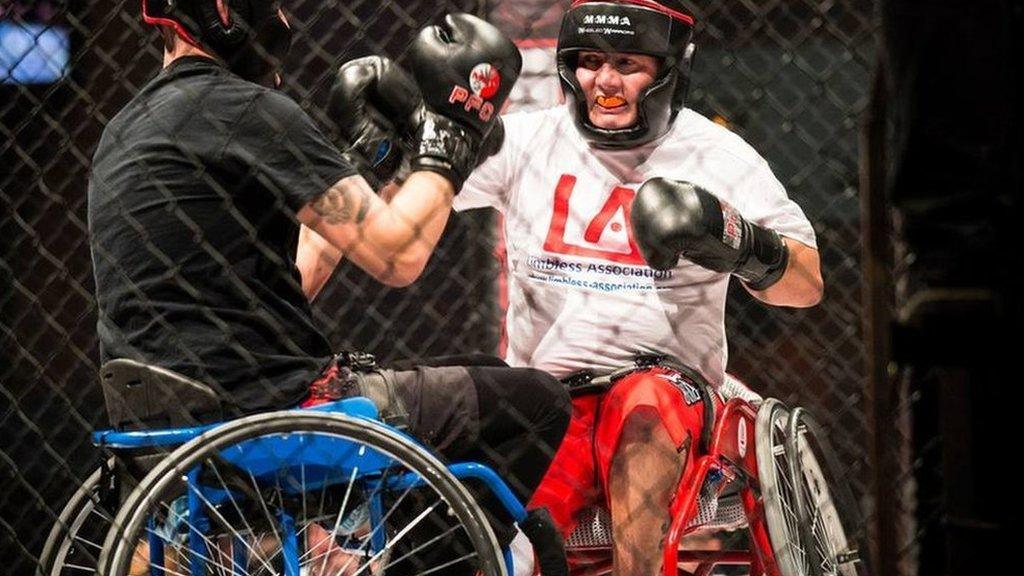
{"x":580,"y":295}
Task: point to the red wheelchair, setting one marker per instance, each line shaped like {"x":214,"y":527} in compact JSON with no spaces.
{"x":764,"y":468}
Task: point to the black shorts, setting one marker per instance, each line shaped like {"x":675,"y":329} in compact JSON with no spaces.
{"x":442,"y":403}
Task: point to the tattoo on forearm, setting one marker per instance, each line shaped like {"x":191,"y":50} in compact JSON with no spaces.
{"x":364,"y":207}
{"x":340,"y":203}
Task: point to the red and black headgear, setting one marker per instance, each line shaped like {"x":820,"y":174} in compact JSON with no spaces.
{"x":629,"y":26}
{"x":253,"y":42}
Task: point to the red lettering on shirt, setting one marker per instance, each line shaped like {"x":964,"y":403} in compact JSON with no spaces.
{"x":620,"y":199}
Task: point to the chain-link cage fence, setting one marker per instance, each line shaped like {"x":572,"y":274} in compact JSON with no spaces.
{"x":791,"y":77}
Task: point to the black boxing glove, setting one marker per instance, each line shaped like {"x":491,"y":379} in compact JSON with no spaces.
{"x":672,"y":219}
{"x":465,"y":69}
{"x":372,"y":100}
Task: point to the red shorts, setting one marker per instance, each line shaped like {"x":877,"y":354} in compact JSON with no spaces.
{"x":578,"y":475}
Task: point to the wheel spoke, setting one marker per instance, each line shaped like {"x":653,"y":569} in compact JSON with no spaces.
{"x":818,"y":491}
{"x":244,"y":493}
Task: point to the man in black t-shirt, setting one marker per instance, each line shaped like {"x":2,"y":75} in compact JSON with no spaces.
{"x":209,"y":181}
{"x":192,"y":202}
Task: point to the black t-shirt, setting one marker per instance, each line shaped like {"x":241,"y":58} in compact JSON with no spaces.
{"x":192,"y":202}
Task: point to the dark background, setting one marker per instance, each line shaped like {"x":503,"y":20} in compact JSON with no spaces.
{"x":893,"y":124}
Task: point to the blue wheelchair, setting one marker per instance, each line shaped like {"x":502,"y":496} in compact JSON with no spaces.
{"x":330,"y":490}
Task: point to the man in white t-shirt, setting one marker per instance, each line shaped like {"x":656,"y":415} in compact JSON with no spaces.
{"x":625,"y":215}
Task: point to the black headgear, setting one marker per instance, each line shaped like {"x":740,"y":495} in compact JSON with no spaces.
{"x":629,"y":26}
{"x":253,"y":43}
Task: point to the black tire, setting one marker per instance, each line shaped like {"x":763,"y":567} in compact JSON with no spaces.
{"x":824,"y":502}
{"x":73,"y":545}
{"x":444,"y":493}
{"x":777,"y":490}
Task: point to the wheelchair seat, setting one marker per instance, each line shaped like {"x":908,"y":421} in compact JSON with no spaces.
{"x":141,"y":396}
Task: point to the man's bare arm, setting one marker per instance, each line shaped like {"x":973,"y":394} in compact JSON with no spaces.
{"x":801,"y":285}
{"x":390,"y":241}
{"x":316,"y":260}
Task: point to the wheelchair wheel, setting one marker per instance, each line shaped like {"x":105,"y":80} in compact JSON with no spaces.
{"x":300,"y":492}
{"x":824,"y":502}
{"x":777,"y":489}
{"x":73,"y":545}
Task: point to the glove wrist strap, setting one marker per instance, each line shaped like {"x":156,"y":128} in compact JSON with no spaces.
{"x":444,"y":147}
{"x":766,"y":261}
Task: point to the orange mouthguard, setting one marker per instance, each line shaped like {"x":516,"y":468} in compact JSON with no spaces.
{"x":610,"y":101}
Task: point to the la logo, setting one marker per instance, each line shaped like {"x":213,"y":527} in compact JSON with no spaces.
{"x":608,"y":236}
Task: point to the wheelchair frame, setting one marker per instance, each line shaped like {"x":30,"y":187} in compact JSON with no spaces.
{"x":373,"y":459}
{"x":358,"y":412}
{"x":741,"y":455}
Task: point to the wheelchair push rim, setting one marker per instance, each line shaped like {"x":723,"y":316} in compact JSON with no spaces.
{"x":67,"y":550}
{"x":777,"y":489}
{"x":261,"y":514}
{"x":824,"y":503}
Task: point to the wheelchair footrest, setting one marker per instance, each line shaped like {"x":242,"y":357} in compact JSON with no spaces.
{"x":595,"y":527}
